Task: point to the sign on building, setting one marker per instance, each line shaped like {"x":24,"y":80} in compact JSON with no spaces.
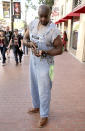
{"x":6,"y":9}
{"x":55,"y":11}
{"x":17,"y":10}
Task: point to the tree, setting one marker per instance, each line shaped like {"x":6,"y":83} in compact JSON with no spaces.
{"x":47,"y":2}
{"x":28,"y":4}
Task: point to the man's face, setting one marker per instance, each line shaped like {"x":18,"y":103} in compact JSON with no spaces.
{"x":16,"y":33}
{"x":44,"y":17}
{"x":1,"y":34}
{"x":7,"y":29}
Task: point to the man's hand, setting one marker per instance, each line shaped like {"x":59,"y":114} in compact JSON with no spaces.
{"x":29,"y":44}
{"x":33,"y":45}
{"x":20,"y":48}
{"x":8,"y":47}
{"x":36,"y":52}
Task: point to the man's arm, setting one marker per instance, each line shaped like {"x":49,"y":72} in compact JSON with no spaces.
{"x":10,"y":43}
{"x":27,"y":42}
{"x":21,"y":44}
{"x":26,"y":39}
{"x":57,"y":47}
{"x":26,"y":35}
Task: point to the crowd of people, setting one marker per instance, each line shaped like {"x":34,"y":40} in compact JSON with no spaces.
{"x":8,"y":41}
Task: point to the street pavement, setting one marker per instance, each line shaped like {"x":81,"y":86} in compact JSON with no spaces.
{"x":67,"y":110}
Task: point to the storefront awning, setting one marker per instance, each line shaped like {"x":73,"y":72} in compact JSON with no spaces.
{"x":80,"y":9}
{"x":57,"y":22}
{"x":70,"y":15}
{"x":75,"y":13}
{"x":61,"y":20}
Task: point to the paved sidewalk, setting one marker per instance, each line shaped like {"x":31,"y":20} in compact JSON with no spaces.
{"x":67,"y":111}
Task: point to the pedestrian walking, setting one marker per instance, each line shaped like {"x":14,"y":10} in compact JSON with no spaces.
{"x":17,"y":41}
{"x":3,"y":48}
{"x":65,"y":39}
{"x":25,"y":48}
{"x":8,"y":35}
{"x":46,"y":43}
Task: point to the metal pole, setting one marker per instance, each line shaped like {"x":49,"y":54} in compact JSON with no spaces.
{"x":12,"y":17}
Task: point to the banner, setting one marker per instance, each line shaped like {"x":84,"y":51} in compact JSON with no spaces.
{"x":55,"y":11}
{"x":17,"y":10}
{"x":6,"y":9}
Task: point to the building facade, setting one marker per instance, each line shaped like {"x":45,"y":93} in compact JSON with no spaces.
{"x":71,"y":18}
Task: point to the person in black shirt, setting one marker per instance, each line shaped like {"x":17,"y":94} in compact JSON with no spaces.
{"x":8,"y":35}
{"x":17,"y":41}
{"x":3,"y":48}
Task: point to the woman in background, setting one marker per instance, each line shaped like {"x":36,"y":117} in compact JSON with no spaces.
{"x":25,"y":48}
{"x":65,"y":39}
{"x":3,"y":48}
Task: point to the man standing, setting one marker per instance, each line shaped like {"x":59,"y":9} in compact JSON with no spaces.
{"x":17,"y":41}
{"x":46,"y":43}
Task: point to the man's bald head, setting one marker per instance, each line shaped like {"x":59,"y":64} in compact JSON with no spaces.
{"x":44,"y":9}
{"x":44,"y":14}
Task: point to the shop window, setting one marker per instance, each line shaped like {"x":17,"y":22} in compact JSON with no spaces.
{"x":75,"y":38}
{"x":75,"y":34}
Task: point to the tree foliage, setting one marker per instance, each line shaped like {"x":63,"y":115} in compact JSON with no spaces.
{"x":47,"y":2}
{"x":28,"y":4}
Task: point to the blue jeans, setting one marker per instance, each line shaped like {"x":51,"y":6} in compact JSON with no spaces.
{"x":40,"y":85}
{"x":25,"y":47}
{"x":3,"y":51}
{"x":16,"y":53}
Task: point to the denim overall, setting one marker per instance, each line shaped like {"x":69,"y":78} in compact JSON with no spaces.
{"x":40,"y":82}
